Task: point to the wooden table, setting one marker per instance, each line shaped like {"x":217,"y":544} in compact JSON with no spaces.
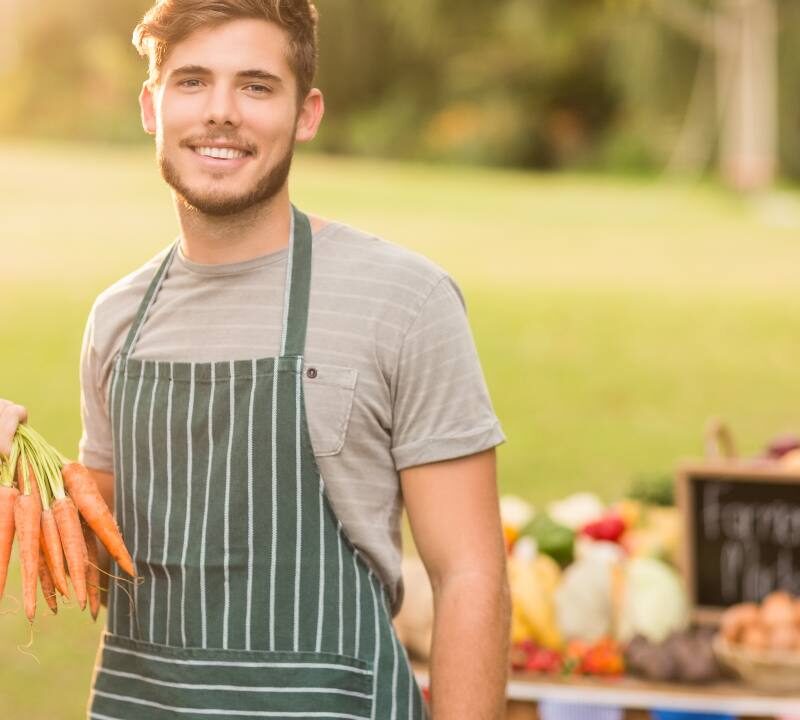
{"x":630,"y":693}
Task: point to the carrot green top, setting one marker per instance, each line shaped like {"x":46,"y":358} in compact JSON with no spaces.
{"x":32,"y":451}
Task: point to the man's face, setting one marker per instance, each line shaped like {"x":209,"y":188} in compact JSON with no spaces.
{"x":225,"y":116}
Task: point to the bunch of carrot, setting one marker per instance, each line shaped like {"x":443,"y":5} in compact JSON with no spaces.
{"x":57,"y":512}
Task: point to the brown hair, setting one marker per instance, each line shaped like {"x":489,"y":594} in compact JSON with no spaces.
{"x":170,"y":21}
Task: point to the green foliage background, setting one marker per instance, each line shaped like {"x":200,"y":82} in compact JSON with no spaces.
{"x":613,"y":318}
{"x":530,"y":83}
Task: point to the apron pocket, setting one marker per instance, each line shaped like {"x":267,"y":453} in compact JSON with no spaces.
{"x":138,"y":679}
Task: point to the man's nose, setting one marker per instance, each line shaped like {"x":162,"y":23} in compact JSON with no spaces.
{"x":222,"y":108}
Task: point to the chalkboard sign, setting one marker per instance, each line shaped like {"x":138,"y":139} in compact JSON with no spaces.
{"x":742,"y":532}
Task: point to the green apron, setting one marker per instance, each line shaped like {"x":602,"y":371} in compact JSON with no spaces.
{"x":252,"y":601}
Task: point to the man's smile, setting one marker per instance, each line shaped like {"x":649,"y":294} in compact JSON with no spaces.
{"x":216,"y":157}
{"x":223,"y":153}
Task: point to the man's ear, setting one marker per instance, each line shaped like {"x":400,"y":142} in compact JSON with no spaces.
{"x":310,"y":116}
{"x":147,"y":107}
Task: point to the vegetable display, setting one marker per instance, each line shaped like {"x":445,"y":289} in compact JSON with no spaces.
{"x":551,"y":538}
{"x":584,"y":601}
{"x":595,"y":591}
{"x":653,"y":602}
{"x":533,"y":611}
{"x":774,"y":625}
{"x":601,"y":658}
{"x":56,"y":511}
{"x":684,"y":656}
{"x":761,"y":643}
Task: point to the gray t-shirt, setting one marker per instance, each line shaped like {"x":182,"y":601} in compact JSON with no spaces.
{"x":398,"y":379}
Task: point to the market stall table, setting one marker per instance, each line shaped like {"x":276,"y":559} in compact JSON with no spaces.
{"x":726,"y":697}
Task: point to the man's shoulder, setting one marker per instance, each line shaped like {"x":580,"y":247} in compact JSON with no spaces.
{"x":354,"y":252}
{"x":122,"y":298}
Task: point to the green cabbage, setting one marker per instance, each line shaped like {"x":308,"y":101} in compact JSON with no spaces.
{"x":654,"y":602}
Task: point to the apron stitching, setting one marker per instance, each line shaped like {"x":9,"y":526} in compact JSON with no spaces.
{"x":358,"y":605}
{"x":204,"y":628}
{"x":118,"y":471}
{"x":377,"y":645}
{"x":410,"y":688}
{"x":350,"y":668}
{"x":227,"y":559}
{"x":299,"y":519}
{"x":236,"y":688}
{"x":250,"y":512}
{"x":321,"y":570}
{"x":117,"y":609}
{"x":273,"y":554}
{"x":394,"y":640}
{"x":223,"y":711}
{"x":135,"y":510}
{"x":150,"y":507}
{"x":169,"y":501}
{"x":189,"y":413}
{"x":341,"y":598}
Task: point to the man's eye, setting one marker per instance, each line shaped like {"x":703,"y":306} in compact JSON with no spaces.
{"x":260,"y":89}
{"x":189,"y":82}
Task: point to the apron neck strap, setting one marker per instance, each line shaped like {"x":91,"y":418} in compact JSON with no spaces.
{"x":146,"y":304}
{"x":296,"y":296}
{"x":298,"y":286}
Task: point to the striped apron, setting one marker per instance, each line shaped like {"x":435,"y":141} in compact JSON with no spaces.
{"x":251,"y":601}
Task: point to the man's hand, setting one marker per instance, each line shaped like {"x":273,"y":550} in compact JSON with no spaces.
{"x":11,"y":415}
{"x":454,"y":514}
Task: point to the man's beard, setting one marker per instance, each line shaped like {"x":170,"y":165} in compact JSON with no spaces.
{"x":219,"y":205}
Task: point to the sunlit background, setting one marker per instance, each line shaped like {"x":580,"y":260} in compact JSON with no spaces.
{"x":612,"y":184}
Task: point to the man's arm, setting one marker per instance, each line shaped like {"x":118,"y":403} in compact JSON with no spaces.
{"x":454,"y":514}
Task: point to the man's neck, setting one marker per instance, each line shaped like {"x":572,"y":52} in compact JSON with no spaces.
{"x":258,"y":231}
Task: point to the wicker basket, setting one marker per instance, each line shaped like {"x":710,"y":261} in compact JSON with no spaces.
{"x":771,"y":670}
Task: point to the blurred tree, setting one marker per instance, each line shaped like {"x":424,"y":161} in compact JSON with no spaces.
{"x":535,"y":83}
{"x":76,"y":74}
{"x":742,"y":36}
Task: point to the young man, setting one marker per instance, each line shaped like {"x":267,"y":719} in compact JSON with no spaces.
{"x":258,"y":402}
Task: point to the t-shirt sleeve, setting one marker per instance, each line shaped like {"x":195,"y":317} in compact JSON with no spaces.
{"x":95,"y":448}
{"x":441,"y":405}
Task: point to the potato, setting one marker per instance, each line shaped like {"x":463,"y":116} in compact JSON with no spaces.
{"x":783,"y":637}
{"x":777,"y":610}
{"x":736,"y":619}
{"x":695,"y":660}
{"x":732,"y":626}
{"x":756,"y":638}
{"x":748,"y":612}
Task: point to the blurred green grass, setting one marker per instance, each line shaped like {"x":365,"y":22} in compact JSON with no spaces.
{"x":613,"y":318}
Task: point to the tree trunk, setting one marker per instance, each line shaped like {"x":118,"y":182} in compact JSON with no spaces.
{"x":747,"y":92}
{"x":742,"y":35}
{"x":9,"y":45}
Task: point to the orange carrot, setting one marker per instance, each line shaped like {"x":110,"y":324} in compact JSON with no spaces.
{"x":48,"y":588}
{"x":83,"y":490}
{"x":7,"y":497}
{"x":92,"y":571}
{"x":27,"y":518}
{"x":53,"y":553}
{"x":69,"y":530}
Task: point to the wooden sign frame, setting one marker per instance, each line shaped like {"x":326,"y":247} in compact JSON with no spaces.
{"x":727,"y":471}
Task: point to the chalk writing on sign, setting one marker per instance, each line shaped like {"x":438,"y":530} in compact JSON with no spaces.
{"x":751,"y":532}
